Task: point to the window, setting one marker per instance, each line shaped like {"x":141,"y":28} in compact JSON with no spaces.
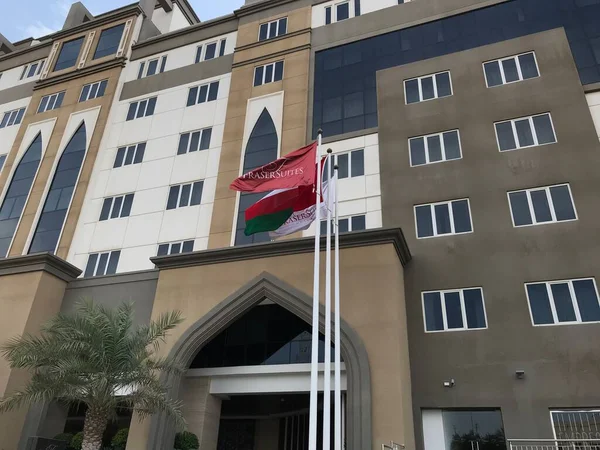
{"x":272,"y":29}
{"x":350,"y":165}
{"x":116,"y":207}
{"x":575,"y":424}
{"x":434,"y":148}
{"x":109,"y":41}
{"x":185,"y":195}
{"x":202,"y":94}
{"x":566,"y":301}
{"x":2,"y":161}
{"x":525,"y":132}
{"x":50,"y":102}
{"x":268,"y":74}
{"x":68,"y":54}
{"x":194,"y":141}
{"x":175,"y":247}
{"x":354,"y":223}
{"x":17,"y":193}
{"x":152,"y":67}
{"x":428,"y":88}
{"x":133,"y":154}
{"x":437,"y":219}
{"x":456,"y":309}
{"x":209,"y":51}
{"x":342,"y":12}
{"x":100,"y":264}
{"x":143,"y":108}
{"x":13,"y":117}
{"x":32,"y":69}
{"x":542,"y":205}
{"x":94,"y":90}
{"x":511,"y":70}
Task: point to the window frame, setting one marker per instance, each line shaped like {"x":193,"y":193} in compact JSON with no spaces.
{"x":180,"y":187}
{"x":462,"y":308}
{"x":574,"y":301}
{"x":518,"y":65}
{"x":189,"y":142}
{"x":111,"y":209}
{"x":55,"y":105}
{"x":99,"y":254}
{"x":264,"y":73}
{"x":550,"y":204}
{"x":450,"y":214}
{"x":198,"y":88}
{"x":91,"y":85}
{"x":137,"y":108}
{"x":349,"y":153}
{"x":123,"y":25}
{"x":277,"y":24}
{"x":200,"y":55}
{"x":27,"y":68}
{"x":17,"y":116}
{"x":139,"y":147}
{"x":161,"y":64}
{"x":62,"y":46}
{"x":435,"y":87}
{"x":443,"y":148}
{"x":533,"y":130}
{"x":170,"y":246}
{"x":333,"y":11}
{"x":348,"y":218}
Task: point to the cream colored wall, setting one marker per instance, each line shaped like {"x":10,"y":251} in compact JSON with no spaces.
{"x":202,"y":411}
{"x":372,"y":293}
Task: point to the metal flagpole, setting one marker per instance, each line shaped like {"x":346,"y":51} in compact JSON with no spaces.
{"x":314,"y":362}
{"x":337,"y":345}
{"x":327,"y":352}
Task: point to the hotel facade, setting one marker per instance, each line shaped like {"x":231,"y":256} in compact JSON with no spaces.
{"x":467,"y":135}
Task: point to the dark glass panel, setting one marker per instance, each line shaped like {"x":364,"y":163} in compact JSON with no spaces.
{"x":442,"y":219}
{"x":541,"y":208}
{"x":563,"y":303}
{"x":91,"y":265}
{"x":102,"y":263}
{"x":434,"y":147}
{"x":269,"y":73}
{"x":528,"y":66}
{"x":540,"y":304}
{"x":120,"y":157}
{"x":213,"y":91}
{"x":198,"y":54}
{"x":427,"y":91}
{"x":359,"y":223}
{"x":43,"y":104}
{"x":262,"y":35}
{"x":131,"y":111}
{"x":183,"y":143}
{"x":126,"y":211}
{"x":519,"y":206}
{"x":474,"y":308}
{"x":141,"y":70}
{"x":562,"y":202}
{"x":510,"y":70}
{"x":106,"y":208}
{"x":543,"y":129}
{"x":196,"y":193}
{"x":68,"y":54}
{"x":139,"y":153}
{"x":203,"y":93}
{"x":195,"y":141}
{"x":184,"y":198}
{"x":506,"y":138}
{"x":109,"y":41}
{"x":524,"y":132}
{"x":113,"y":262}
{"x":412,"y":91}
{"x":192,"y":96}
{"x":357,"y":163}
{"x":163,"y":63}
{"x":152,"y":66}
{"x":451,"y":145}
{"x":282,"y":27}
{"x":462,"y":216}
{"x":93,"y":90}
{"x":258,"y":75}
{"x":17,"y":192}
{"x":188,"y":246}
{"x":492,"y":73}
{"x":442,"y":81}
{"x":211,"y":50}
{"x":101,"y":88}
{"x":129,"y":155}
{"x":587,"y":300}
{"x":116,"y":208}
{"x":417,"y":151}
{"x":205,"y":141}
{"x":424,"y":221}
{"x":151,"y":106}
{"x":163,"y":249}
{"x":141,"y":109}
{"x":343,"y":11}
{"x":278,"y":71}
{"x":433,"y":311}
{"x":175,"y":248}
{"x":327,"y":15}
{"x":453,"y":310}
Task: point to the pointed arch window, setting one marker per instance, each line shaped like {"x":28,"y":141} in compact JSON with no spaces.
{"x":17,"y":193}
{"x":60,"y":194}
{"x":260,"y":150}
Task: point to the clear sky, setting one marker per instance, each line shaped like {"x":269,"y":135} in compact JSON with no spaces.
{"x":35,"y":18}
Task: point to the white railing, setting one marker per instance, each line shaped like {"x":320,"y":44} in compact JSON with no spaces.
{"x":553,"y":444}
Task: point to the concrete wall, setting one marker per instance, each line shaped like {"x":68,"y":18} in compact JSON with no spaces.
{"x":561,"y":371}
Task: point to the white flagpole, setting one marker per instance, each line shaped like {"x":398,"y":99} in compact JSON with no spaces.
{"x":337,"y":345}
{"x":327,"y":352}
{"x":314,"y":362}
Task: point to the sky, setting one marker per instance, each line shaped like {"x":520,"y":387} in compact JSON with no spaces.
{"x":36,"y":18}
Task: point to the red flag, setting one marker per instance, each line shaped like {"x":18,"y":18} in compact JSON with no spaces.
{"x":293,"y":170}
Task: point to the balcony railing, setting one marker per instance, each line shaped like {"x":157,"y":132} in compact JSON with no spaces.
{"x":553,"y":444}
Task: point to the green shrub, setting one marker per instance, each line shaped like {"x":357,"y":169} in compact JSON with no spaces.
{"x":66,"y":437}
{"x":119,"y":441}
{"x":186,"y":441}
{"x":77,"y":441}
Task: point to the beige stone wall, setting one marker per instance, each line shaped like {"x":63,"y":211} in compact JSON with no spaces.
{"x":202,"y":411}
{"x":294,"y":50}
{"x":372,"y":293}
{"x":27,"y":301}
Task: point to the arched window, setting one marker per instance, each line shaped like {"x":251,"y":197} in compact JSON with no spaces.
{"x":60,"y":194}
{"x":261,"y":149}
{"x":17,"y":193}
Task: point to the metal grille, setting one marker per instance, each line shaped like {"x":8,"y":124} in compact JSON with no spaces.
{"x":294,"y":432}
{"x":551,"y":444}
{"x":575,"y":425}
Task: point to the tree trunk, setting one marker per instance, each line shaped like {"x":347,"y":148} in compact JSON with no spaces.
{"x":95,"y":423}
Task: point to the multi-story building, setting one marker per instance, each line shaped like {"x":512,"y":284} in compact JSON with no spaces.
{"x":467,"y":139}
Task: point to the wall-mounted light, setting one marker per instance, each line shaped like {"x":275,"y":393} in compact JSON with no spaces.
{"x":449,"y":383}
{"x":520,"y":374}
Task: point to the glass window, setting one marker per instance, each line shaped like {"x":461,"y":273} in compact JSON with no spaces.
{"x":342,"y":11}
{"x":459,"y":309}
{"x":175,"y":248}
{"x":100,"y":264}
{"x":575,"y":424}
{"x":568,"y":301}
{"x":511,"y":69}
{"x":50,"y":223}
{"x":211,"y":50}
{"x":525,"y":132}
{"x":428,"y":87}
{"x":194,"y":141}
{"x":68,"y":54}
{"x":434,"y":148}
{"x":17,"y":193}
{"x":93,"y":90}
{"x":109,"y":41}
{"x":13,"y":117}
{"x":542,"y":205}
{"x":116,"y":207}
{"x":50,"y":102}
{"x":143,"y":108}
{"x":133,"y":154}
{"x":453,"y":217}
{"x":182,"y":195}
{"x":203,"y":93}
{"x":268,"y":74}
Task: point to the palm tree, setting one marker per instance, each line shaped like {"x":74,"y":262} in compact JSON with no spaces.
{"x":96,"y":357}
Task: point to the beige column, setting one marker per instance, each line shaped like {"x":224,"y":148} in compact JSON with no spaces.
{"x":202,"y":411}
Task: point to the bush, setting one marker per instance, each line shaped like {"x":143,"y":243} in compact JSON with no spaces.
{"x":77,"y":441}
{"x":119,"y":441}
{"x":66,"y":437}
{"x":186,"y":441}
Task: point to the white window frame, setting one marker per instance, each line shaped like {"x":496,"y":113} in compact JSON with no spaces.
{"x":51,"y":98}
{"x":202,"y":50}
{"x":548,"y":285}
{"x":579,"y":410}
{"x":264,"y":74}
{"x":349,"y":153}
{"x":550,"y":203}
{"x":269,"y":25}
{"x":110,"y":252}
{"x":24,"y":74}
{"x":333,"y":7}
{"x":112,"y":207}
{"x":189,"y":143}
{"x":349,"y":218}
{"x":536,"y":142}
{"x":170,"y":244}
{"x":443,"y":148}
{"x":435,"y":88}
{"x":137,"y":107}
{"x":10,"y":113}
{"x":180,"y":192}
{"x":143,"y":66}
{"x":451,"y":215}
{"x":462,"y":308}
{"x":136,"y":148}
{"x":91,"y":85}
{"x":519,"y":71}
{"x":206,"y":100}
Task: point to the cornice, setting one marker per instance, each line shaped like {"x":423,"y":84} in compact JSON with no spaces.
{"x":78,"y":73}
{"x":275,"y":39}
{"x":46,"y":262}
{"x":271,"y":56}
{"x":260,"y":6}
{"x":366,"y":238}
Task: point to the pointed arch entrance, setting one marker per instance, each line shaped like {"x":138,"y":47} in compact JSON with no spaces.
{"x":268,"y":287}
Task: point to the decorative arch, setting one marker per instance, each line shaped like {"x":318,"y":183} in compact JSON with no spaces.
{"x":18,"y":191}
{"x":261,"y":149}
{"x":267,"y":286}
{"x":60,"y":194}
